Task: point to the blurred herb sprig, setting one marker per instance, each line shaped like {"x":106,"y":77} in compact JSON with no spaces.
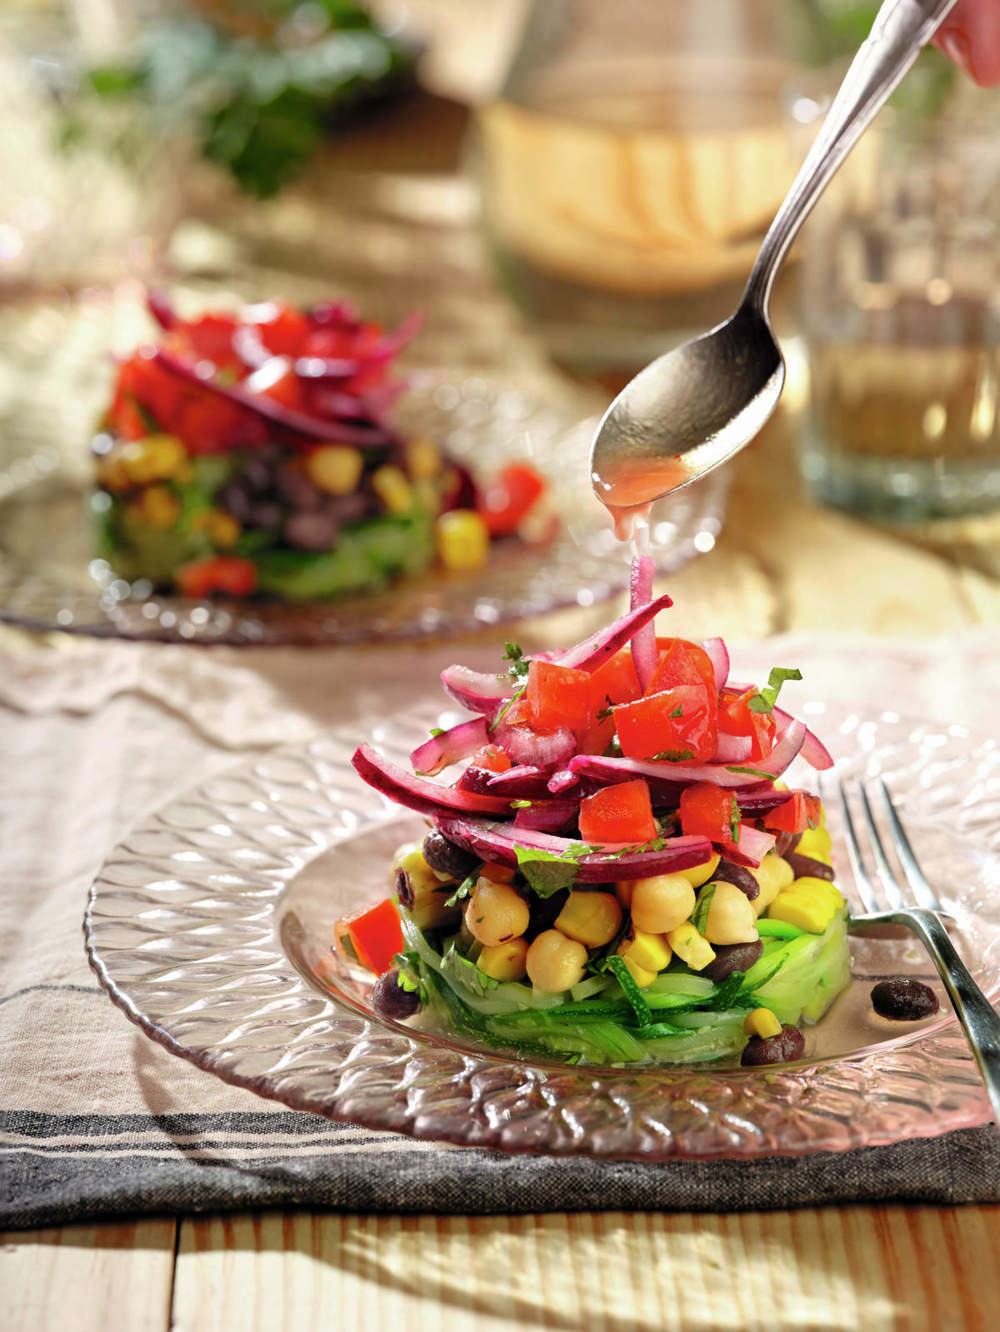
{"x":260,"y":105}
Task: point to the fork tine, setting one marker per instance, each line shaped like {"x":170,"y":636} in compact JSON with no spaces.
{"x":861,"y":880}
{"x":914,"y":874}
{"x":889,"y":883}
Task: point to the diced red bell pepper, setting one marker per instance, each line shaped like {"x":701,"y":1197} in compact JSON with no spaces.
{"x":681,"y":663}
{"x":229,"y":574}
{"x":622,"y":812}
{"x":795,"y":815}
{"x":615,"y":681}
{"x":559,"y":696}
{"x":492,"y":758}
{"x":736,"y":717}
{"x":676,"y":722}
{"x":709,"y":811}
{"x":376,"y":936}
{"x":506,"y":499}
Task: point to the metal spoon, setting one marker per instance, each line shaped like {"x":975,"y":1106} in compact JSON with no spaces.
{"x":698,"y":405}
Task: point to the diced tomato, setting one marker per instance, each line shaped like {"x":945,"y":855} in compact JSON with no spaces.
{"x":492,"y":758}
{"x":596,"y":737}
{"x":210,"y":338}
{"x":736,"y":717}
{"x":709,"y":811}
{"x":126,"y":420}
{"x":795,"y":815}
{"x":675,"y":722}
{"x":615,"y":681}
{"x":283,"y":330}
{"x":376,"y":936}
{"x":151,"y":386}
{"x":519,"y":713}
{"x":228,"y":574}
{"x":207,"y":423}
{"x":559,"y":696}
{"x":681,"y":663}
{"x":622,"y":812}
{"x":507,"y":498}
{"x":276,"y":379}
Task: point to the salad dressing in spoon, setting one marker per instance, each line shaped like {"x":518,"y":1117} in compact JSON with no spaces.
{"x":694,"y":408}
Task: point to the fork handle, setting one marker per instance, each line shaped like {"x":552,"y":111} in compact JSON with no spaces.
{"x":975,"y":1012}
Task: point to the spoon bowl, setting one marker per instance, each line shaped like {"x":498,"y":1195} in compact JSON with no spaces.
{"x":687,"y":412}
{"x":693,"y":408}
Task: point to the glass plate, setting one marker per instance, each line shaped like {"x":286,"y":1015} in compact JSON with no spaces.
{"x":49,"y":580}
{"x":211,"y":927}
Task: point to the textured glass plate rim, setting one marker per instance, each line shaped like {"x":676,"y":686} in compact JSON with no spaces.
{"x":935,"y":1055}
{"x":474,"y":406}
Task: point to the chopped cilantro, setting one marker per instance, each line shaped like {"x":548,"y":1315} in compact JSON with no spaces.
{"x":673,"y":755}
{"x":751,"y":772}
{"x":546,"y":873}
{"x":605,"y":713}
{"x":765,"y":699}
{"x":734,"y":819}
{"x":700,"y":913}
{"x":464,"y":888}
{"x":518,"y":693}
{"x":521,"y":804}
{"x":436,"y":731}
{"x":677,"y":712}
{"x":517,"y":667}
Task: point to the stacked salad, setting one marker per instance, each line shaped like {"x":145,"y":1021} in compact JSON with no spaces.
{"x":253,"y":452}
{"x":616,"y":875}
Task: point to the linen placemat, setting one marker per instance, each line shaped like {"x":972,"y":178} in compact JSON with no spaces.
{"x":96,"y":1120}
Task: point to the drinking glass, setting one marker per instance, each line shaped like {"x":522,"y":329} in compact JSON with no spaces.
{"x":633,"y":161}
{"x":901,"y":319}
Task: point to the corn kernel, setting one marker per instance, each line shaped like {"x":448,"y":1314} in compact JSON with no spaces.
{"x":111,"y":473}
{"x":157,"y":507}
{"x":815,"y":843}
{"x":590,"y":918}
{"x":690,"y":946}
{"x":761,"y":1022}
{"x":335,"y":469}
{"x":463,"y":542}
{"x":649,"y":951}
{"x":809,"y":903}
{"x":155,"y":458}
{"x":391,"y":486}
{"x":423,"y":459}
{"x":223,"y":529}
{"x":504,"y":961}
{"x":696,"y":875}
{"x":640,"y":975}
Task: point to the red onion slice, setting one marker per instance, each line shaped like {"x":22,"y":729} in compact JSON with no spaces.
{"x":611,"y":769}
{"x":598,"y":648}
{"x":751,"y":847}
{"x":733,"y":748}
{"x":158,"y":305}
{"x":314,"y":427}
{"x":498,"y":842}
{"x":644,"y":653}
{"x":460,"y":742}
{"x":563,"y":780}
{"x":476,"y":690}
{"x":551,"y":817}
{"x":718,"y":655}
{"x":525,"y":782}
{"x":539,"y":749}
{"x":416,"y":792}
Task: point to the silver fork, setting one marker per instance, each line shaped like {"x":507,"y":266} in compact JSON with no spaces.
{"x":923,"y":916}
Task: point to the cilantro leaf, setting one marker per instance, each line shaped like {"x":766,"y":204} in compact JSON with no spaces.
{"x":677,"y":712}
{"x":546,"y":873}
{"x":604,"y":713}
{"x":518,"y":693}
{"x":521,"y":804}
{"x":517,"y":667}
{"x":464,"y":888}
{"x":751,"y":772}
{"x":765,"y":699}
{"x":436,"y":731}
{"x":734,"y":819}
{"x":673,"y":755}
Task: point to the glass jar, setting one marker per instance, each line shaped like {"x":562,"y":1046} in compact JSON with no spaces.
{"x":633,"y":161}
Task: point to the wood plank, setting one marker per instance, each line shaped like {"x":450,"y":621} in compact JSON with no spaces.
{"x":88,"y":1278}
{"x":895,"y":1268}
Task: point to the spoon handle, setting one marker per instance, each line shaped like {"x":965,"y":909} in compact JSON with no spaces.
{"x":900,"y":31}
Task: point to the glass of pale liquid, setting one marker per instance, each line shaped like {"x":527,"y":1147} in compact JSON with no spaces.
{"x":633,"y":161}
{"x":900,"y":308}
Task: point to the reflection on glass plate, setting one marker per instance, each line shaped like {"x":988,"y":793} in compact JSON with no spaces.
{"x":51,"y":392}
{"x":212,"y":925}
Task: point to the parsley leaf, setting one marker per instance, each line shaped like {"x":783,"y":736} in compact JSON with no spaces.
{"x":765,"y":699}
{"x":546,"y":873}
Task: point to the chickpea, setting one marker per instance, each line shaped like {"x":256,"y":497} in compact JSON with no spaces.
{"x":504,"y":962}
{"x":496,"y":913}
{"x":774,"y":875}
{"x":731,"y":918}
{"x":661,"y":903}
{"x":554,"y":963}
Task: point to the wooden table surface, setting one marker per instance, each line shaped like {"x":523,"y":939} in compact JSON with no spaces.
{"x":780,"y":564}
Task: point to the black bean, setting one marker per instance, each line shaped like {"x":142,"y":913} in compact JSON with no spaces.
{"x":404,"y":889}
{"x":256,"y":476}
{"x":312,"y":531}
{"x":235,"y":498}
{"x":739,"y":876}
{"x":789,"y":1044}
{"x":390,"y":1000}
{"x":805,"y":866}
{"x":732,"y":957}
{"x":266,"y":515}
{"x":351,"y":508}
{"x":904,"y":999}
{"x":298,"y":490}
{"x":447,"y":858}
{"x":544,"y":911}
